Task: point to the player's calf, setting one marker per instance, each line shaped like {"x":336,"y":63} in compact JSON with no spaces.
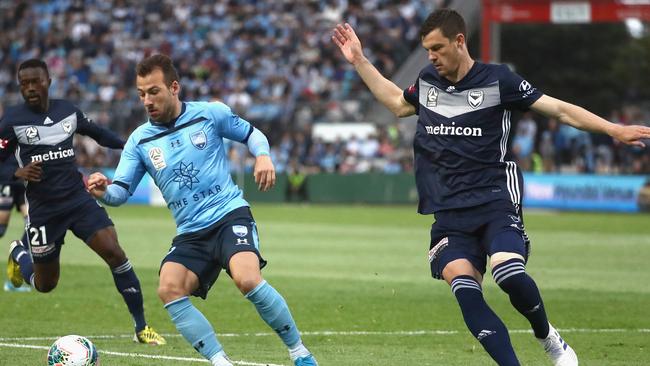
{"x":273,"y":309}
{"x":524,"y":295}
{"x":482,"y":322}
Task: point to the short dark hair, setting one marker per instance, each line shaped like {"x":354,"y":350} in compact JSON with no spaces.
{"x":447,"y":20}
{"x":34,"y":63}
{"x":161,"y":62}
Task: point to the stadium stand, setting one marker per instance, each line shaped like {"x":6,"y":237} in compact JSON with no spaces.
{"x":272,"y":61}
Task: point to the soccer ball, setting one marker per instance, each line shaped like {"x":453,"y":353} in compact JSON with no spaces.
{"x":73,"y":350}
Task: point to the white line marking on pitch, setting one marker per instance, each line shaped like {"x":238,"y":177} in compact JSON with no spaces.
{"x":350,"y":333}
{"x":140,"y":355}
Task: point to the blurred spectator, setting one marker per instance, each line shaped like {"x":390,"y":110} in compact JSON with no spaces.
{"x":524,"y":141}
{"x":273,"y":63}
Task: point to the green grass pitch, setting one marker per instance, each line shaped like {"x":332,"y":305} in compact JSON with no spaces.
{"x":357,"y":281}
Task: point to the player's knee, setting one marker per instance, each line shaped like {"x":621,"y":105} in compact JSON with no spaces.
{"x":510,"y":274}
{"x":497,"y":258}
{"x":246,"y":284}
{"x":168,"y":292}
{"x":115,"y":256}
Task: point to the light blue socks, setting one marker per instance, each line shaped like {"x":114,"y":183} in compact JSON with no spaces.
{"x":274,"y":310}
{"x":194,"y":327}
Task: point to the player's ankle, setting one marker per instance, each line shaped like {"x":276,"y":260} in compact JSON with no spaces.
{"x":299,"y":350}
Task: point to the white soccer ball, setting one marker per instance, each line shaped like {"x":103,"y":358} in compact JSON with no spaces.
{"x":73,"y":350}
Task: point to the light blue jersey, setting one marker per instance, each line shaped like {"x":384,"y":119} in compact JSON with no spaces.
{"x":188,"y":162}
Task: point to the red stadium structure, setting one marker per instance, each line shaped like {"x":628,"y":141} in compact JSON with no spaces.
{"x":496,"y":12}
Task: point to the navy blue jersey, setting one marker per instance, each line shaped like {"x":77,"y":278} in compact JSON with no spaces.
{"x":7,"y":170}
{"x":461,"y":139}
{"x":48,"y":137}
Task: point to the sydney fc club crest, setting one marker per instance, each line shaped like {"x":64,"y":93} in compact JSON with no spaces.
{"x":432,"y":97}
{"x":157,"y":158}
{"x":475,"y":98}
{"x":240,"y":230}
{"x":199,"y":139}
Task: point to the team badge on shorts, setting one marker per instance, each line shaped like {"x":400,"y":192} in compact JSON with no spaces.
{"x":240,"y":230}
{"x":199,"y":139}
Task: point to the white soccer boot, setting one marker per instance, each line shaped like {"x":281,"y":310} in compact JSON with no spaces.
{"x":220,"y":359}
{"x":557,"y":349}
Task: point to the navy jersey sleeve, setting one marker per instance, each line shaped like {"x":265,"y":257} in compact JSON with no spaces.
{"x":7,"y":140}
{"x":412,"y":93}
{"x":103,"y":136}
{"x":516,"y":92}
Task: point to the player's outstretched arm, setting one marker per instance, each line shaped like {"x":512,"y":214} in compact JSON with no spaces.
{"x":103,"y":136}
{"x":581,"y":118}
{"x":383,"y":89}
{"x":97,"y":183}
{"x":264,"y":173}
{"x":110,"y":194}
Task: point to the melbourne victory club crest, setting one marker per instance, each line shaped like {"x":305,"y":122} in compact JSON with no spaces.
{"x":157,"y":158}
{"x":432,"y":97}
{"x":67,"y":126}
{"x":475,"y":98}
{"x":199,"y":139}
{"x":32,"y":135}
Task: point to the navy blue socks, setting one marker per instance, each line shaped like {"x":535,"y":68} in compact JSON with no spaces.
{"x":524,"y":294}
{"x":129,"y":287}
{"x":482,"y":322}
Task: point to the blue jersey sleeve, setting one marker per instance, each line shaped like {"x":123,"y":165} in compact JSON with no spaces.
{"x":228,"y":124}
{"x":516,"y":92}
{"x":130,"y":169}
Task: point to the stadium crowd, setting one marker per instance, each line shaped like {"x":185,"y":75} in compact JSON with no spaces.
{"x":273,"y":63}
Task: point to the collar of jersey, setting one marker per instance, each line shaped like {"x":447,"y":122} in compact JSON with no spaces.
{"x":171,"y":123}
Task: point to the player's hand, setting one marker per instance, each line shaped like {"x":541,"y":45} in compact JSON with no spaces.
{"x":32,"y":172}
{"x":97,"y":183}
{"x":632,"y":135}
{"x":264,"y":173}
{"x":348,"y":42}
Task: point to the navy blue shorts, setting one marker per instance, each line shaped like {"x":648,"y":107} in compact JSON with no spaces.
{"x":207,"y":251}
{"x":476,"y":233}
{"x":12,"y":195}
{"x":47,"y":233}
